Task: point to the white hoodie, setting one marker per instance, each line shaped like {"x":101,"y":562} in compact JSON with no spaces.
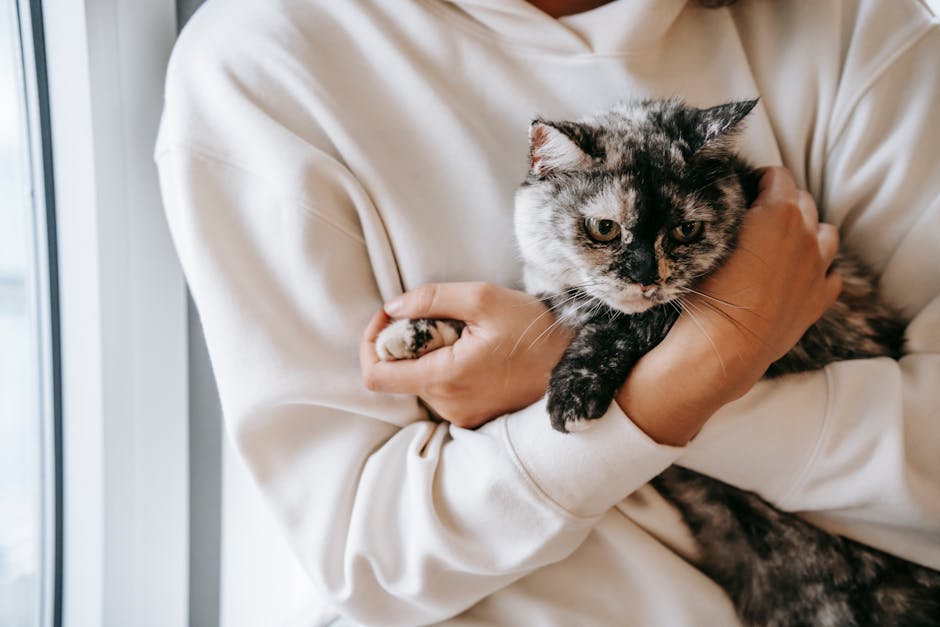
{"x":318,"y":157}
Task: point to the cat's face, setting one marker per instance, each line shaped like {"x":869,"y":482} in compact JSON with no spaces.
{"x":633,"y":206}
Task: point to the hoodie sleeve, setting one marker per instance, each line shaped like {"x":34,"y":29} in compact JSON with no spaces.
{"x":397,"y":519}
{"x":857,"y":445}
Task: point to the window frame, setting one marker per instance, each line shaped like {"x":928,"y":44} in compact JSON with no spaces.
{"x":123,"y":318}
{"x":44,"y":293}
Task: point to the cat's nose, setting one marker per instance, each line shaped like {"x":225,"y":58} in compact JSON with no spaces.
{"x":640,"y":266}
{"x":645,"y":275}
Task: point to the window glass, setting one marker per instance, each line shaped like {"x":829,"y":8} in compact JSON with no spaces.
{"x":21,"y":425}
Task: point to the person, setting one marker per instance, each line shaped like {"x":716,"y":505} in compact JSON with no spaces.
{"x":321,"y":159}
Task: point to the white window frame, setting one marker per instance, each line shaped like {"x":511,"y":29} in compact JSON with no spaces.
{"x":42,"y":275}
{"x":123,"y":318}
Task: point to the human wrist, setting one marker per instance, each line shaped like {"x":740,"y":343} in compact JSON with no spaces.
{"x":675,"y":388}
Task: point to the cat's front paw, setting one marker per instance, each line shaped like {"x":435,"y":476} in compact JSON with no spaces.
{"x":409,"y":339}
{"x":576,"y":399}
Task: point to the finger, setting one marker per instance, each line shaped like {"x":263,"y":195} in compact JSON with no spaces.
{"x":776,"y":182}
{"x":378,"y":322}
{"x":808,"y":208}
{"x":833,"y":287}
{"x":367,"y":354}
{"x":828,"y":238}
{"x":461,"y":301}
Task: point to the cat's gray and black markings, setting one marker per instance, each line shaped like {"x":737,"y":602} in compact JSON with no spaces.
{"x":779,"y":570}
{"x":598,"y":359}
{"x":644,"y":170}
{"x":621,"y":215}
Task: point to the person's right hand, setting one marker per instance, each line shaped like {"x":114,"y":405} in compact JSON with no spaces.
{"x":751,"y":312}
{"x":501,"y":362}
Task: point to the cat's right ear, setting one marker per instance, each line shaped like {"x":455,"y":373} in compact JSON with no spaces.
{"x":552,"y":149}
{"x":714,"y":128}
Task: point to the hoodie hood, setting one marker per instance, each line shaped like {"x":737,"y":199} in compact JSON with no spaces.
{"x":618,"y":27}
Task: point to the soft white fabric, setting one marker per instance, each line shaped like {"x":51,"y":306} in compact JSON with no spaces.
{"x":318,"y":157}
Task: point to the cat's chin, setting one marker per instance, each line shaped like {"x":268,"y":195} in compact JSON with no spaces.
{"x":631,"y":304}
{"x":626,"y":298}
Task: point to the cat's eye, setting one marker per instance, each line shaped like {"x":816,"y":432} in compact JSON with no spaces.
{"x":603,"y":231}
{"x":686,"y":231}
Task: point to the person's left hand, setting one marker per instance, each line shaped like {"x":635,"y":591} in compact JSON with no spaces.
{"x":501,"y":363}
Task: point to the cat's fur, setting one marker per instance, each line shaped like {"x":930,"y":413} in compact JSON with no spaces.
{"x":649,"y":167}
{"x":781,"y":571}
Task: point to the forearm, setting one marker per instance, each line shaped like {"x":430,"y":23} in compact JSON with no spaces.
{"x":675,"y":389}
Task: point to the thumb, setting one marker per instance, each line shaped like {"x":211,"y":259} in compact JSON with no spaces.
{"x":462,"y":301}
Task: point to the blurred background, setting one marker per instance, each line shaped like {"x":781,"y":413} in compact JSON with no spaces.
{"x":21,"y":470}
{"x":121,"y":502}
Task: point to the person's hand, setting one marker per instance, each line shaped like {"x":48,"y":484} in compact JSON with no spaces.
{"x":502,"y":361}
{"x":748,"y":314}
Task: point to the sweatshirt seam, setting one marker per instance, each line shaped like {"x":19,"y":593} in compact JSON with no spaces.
{"x":931,"y":14}
{"x":534,"y":485}
{"x":824,"y":432}
{"x":316,"y":214}
{"x":211,"y":156}
{"x":876,"y":76}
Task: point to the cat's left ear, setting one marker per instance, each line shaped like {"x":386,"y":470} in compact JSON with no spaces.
{"x":557,"y":147}
{"x":717,"y":125}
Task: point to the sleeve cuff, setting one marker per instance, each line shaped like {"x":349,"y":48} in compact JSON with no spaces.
{"x":588,"y":472}
{"x":766,"y":440}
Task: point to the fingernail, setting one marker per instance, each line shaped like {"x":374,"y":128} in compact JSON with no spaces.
{"x":393,"y":307}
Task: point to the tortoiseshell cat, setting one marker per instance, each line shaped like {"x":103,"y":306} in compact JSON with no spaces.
{"x":621,"y":215}
{"x":625,"y":213}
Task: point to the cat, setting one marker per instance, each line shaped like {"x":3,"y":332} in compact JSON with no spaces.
{"x":620,"y":216}
{"x":625,"y":214}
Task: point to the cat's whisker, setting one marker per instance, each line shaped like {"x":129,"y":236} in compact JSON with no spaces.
{"x":579,"y":291}
{"x":740,"y":326}
{"x":560,"y":320}
{"x":719,"y":300}
{"x":551,"y":309}
{"x":596,"y":309}
{"x":526,"y":330}
{"x":547,"y":330}
{"x":688,"y":309}
{"x":557,"y":322}
{"x":556,"y":308}
{"x":574,"y":291}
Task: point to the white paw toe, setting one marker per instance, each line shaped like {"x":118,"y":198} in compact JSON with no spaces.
{"x":394,"y":342}
{"x":577,"y":424}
